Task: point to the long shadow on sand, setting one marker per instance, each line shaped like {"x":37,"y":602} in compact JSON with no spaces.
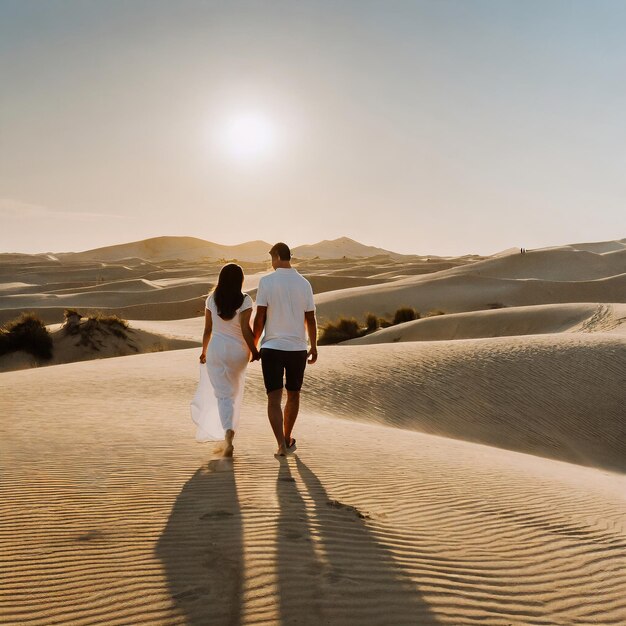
{"x":331,"y":567}
{"x":201,"y":548}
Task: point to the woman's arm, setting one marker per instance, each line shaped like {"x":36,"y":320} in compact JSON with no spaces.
{"x":244,"y":320}
{"x":208,"y":328}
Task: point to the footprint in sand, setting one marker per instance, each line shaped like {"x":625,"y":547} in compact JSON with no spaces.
{"x":191,"y":594}
{"x":335,"y":504}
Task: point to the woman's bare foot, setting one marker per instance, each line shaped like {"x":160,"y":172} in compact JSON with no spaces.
{"x":229,"y":448}
{"x":282,"y":451}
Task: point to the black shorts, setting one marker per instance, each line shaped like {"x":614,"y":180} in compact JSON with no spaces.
{"x":275,"y":363}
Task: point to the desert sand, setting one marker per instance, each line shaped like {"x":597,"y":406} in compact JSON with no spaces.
{"x":468,"y":468}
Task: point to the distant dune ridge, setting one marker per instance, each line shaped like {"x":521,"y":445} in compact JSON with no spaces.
{"x":183,"y":248}
{"x":467,"y":468}
{"x":193,"y":248}
{"x":342,"y":247}
{"x":519,"y":320}
{"x":548,"y":276}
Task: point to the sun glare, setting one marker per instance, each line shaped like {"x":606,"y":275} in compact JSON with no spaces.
{"x":249,"y":136}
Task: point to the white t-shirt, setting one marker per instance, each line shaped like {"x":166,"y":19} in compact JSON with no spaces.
{"x":228,"y":328}
{"x":287,"y":296}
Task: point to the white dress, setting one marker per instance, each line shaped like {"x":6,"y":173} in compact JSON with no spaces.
{"x":216,"y":405}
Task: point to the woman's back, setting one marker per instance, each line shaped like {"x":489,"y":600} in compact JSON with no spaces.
{"x":228,"y":328}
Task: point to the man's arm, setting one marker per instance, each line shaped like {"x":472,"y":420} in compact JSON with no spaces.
{"x":311,"y":327}
{"x":259,"y":322}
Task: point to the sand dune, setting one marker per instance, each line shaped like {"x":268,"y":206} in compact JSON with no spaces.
{"x":191,"y":248}
{"x":88,"y":273}
{"x":467,"y":470}
{"x":106,"y":298}
{"x":184,"y":248}
{"x":132,"y":523}
{"x":131,"y":285}
{"x":559,"y":396}
{"x":553,"y":265}
{"x":599,"y":247}
{"x":100,"y":342}
{"x":189,"y":329}
{"x":151,"y":291}
{"x":548,"y":276}
{"x":151,"y":311}
{"x":455,"y":294}
{"x":523,"y":320}
{"x":339,"y":248}
{"x":171,"y":288}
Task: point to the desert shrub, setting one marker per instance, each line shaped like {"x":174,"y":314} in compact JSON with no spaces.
{"x":71,"y":325}
{"x":92,"y":329}
{"x":27,"y":333}
{"x":372,"y":323}
{"x":341,"y":330}
{"x":116,"y":324}
{"x":405,"y":314}
{"x":5,"y":342}
{"x":435,"y":312}
{"x":76,"y":324}
{"x":383,"y":322}
{"x":495,"y":305}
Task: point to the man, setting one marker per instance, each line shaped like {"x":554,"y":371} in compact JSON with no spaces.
{"x":285,"y":308}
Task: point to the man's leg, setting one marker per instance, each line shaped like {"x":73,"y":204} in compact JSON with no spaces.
{"x":294,"y":375}
{"x":273,"y":367}
{"x":275,"y":414}
{"x":291,"y":413}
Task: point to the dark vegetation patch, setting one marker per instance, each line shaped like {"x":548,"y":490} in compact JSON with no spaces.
{"x":91,"y":331}
{"x":405,"y":314}
{"x":27,"y":333}
{"x":350,"y":328}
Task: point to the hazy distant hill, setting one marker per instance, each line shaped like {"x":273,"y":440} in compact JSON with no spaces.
{"x":192,"y":248}
{"x":338,"y":248}
{"x":184,"y":248}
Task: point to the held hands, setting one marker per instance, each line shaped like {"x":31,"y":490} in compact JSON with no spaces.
{"x":255,"y":356}
{"x":312,"y":356}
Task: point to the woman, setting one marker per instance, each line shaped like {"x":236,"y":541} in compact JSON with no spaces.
{"x":227,"y":347}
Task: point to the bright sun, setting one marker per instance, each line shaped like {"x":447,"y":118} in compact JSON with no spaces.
{"x":249,"y":136}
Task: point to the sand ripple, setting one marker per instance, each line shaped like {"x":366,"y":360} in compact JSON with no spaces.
{"x":112,"y":514}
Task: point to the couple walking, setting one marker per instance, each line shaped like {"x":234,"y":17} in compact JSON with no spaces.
{"x":285,"y":314}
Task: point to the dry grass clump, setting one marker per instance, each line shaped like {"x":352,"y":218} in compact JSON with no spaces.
{"x":92,"y":329}
{"x":496,"y":305}
{"x":435,"y":312}
{"x":27,"y":333}
{"x":341,"y":330}
{"x":405,"y":314}
{"x":116,"y":324}
{"x":349,"y":328}
{"x":372,"y":322}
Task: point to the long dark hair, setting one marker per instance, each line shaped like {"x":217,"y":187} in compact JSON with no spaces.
{"x":227,"y":294}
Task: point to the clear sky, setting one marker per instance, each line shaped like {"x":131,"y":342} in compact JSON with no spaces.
{"x":441,"y":126}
